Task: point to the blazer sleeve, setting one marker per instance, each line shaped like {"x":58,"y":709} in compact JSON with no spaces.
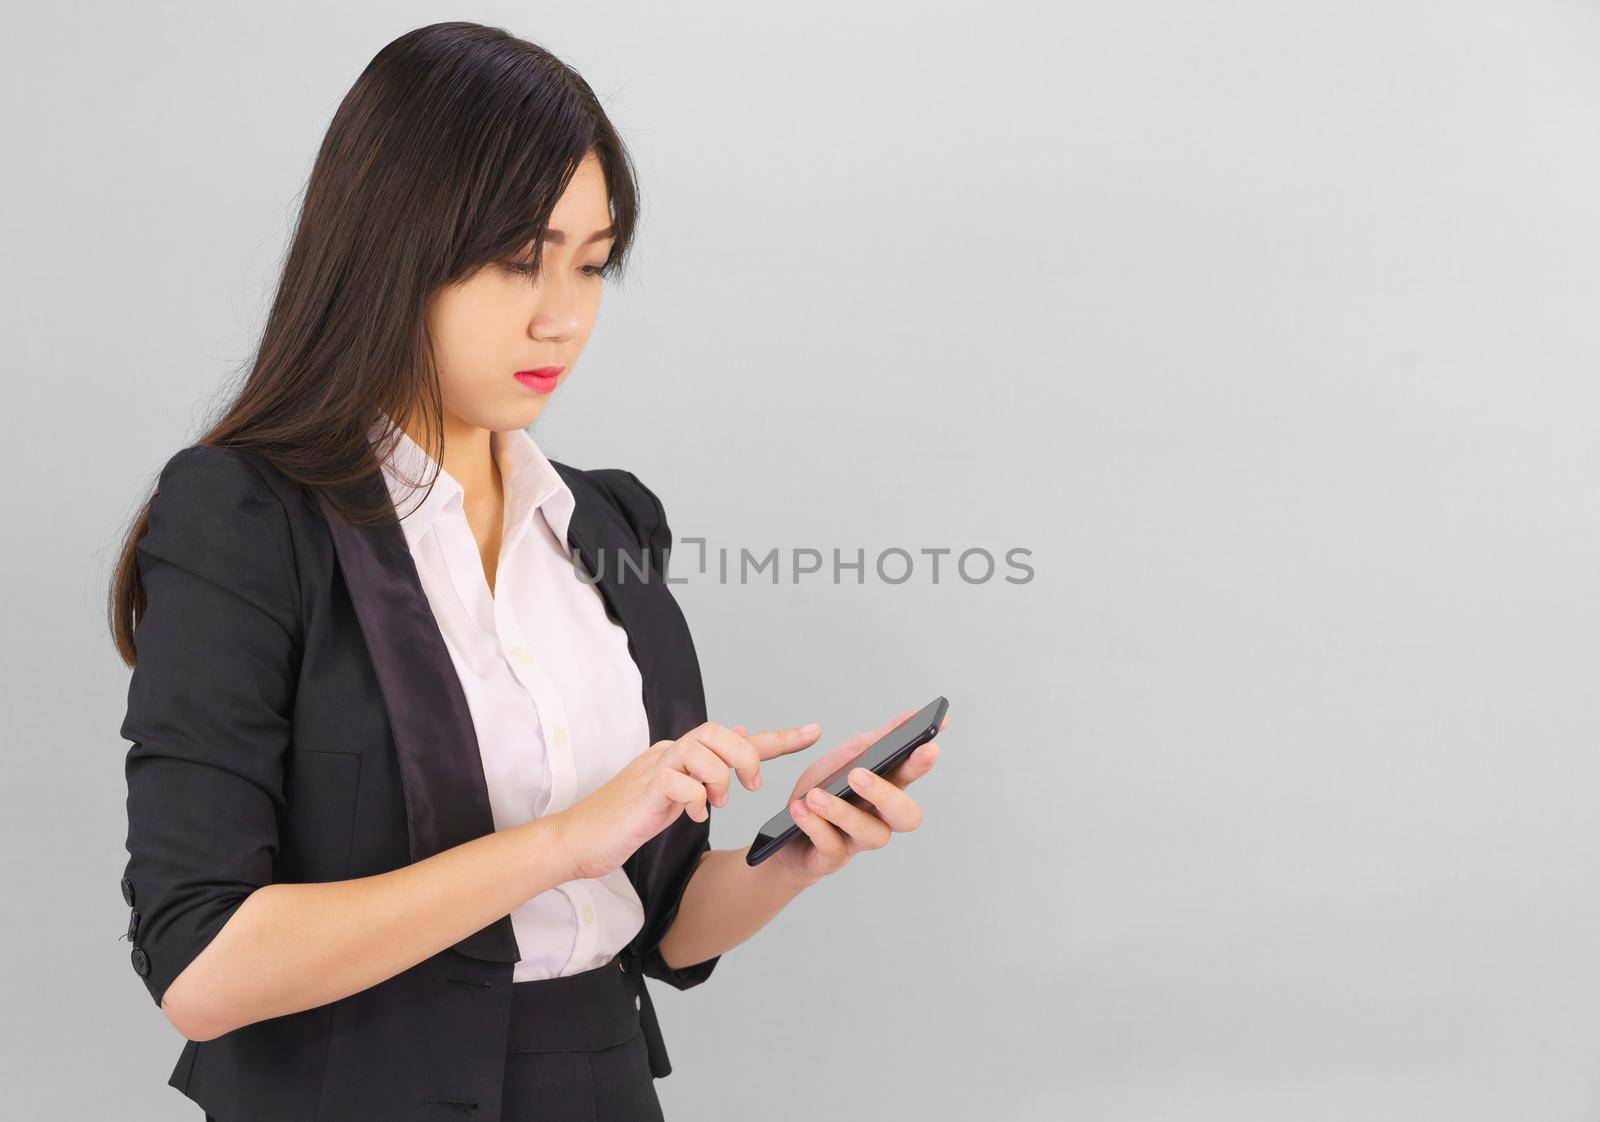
{"x":642,"y":509}
{"x":661,"y":869}
{"x":210,"y":705}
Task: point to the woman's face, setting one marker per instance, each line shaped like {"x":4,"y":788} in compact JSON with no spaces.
{"x":504,"y":320}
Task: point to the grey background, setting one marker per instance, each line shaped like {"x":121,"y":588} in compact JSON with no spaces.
{"x":1267,"y":327}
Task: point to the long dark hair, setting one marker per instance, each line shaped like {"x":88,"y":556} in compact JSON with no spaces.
{"x":447,"y":155}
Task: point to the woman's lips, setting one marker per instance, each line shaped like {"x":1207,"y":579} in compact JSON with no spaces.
{"x":542,"y":380}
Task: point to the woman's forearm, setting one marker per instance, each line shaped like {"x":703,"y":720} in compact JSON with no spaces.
{"x":725,"y":902}
{"x":290,"y":947}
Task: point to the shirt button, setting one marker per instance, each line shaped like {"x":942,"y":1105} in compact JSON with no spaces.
{"x":561,"y":737}
{"x":588,"y":914}
{"x":141,"y":962}
{"x":127,"y":892}
{"x":521,"y":654}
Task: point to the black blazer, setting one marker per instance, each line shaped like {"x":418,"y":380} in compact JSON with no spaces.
{"x":295,"y":717}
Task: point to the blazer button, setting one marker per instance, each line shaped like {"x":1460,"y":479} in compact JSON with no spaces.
{"x":141,"y":962}
{"x":127,"y":892}
{"x":133,"y":926}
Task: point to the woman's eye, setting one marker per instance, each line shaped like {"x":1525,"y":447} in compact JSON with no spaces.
{"x":526,"y":269}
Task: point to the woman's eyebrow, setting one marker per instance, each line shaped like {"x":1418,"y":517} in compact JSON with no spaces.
{"x":559,"y":237}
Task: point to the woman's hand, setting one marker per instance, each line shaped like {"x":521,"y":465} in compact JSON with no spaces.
{"x":603,"y":829}
{"x":836,"y":829}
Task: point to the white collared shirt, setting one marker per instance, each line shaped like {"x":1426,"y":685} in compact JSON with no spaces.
{"x":555,"y":697}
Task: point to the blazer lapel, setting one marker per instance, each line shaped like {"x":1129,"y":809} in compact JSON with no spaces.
{"x":631,"y":581}
{"x":447,"y":797}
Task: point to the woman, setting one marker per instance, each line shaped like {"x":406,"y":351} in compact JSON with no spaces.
{"x":420,"y":779}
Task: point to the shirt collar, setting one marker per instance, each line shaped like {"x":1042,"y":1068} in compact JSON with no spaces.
{"x":531,"y":482}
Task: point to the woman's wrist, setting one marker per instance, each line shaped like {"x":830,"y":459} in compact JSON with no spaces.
{"x":727,"y":901}
{"x":552,"y":836}
{"x":550,"y":846}
{"x":779,"y":874}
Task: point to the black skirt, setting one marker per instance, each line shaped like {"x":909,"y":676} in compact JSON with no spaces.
{"x":577,"y":1049}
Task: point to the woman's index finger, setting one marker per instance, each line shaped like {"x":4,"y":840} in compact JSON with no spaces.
{"x":782,"y":742}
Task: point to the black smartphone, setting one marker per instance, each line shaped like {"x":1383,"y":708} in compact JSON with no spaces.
{"x":881,"y":756}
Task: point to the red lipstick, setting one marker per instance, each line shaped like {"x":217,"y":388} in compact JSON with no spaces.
{"x":542,"y":380}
